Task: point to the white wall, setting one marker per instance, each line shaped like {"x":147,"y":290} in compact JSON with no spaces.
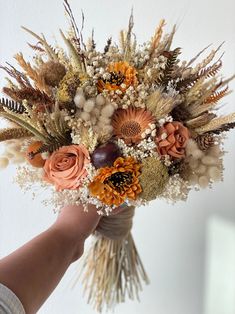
{"x":170,"y":239}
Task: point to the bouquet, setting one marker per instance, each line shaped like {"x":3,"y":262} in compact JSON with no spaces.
{"x":118,"y":127}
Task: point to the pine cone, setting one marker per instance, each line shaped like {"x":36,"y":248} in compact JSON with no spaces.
{"x":205,"y":141}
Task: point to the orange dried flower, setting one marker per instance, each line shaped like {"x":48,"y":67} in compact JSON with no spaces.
{"x":172,"y":139}
{"x":37,"y":161}
{"x":113,"y":185}
{"x":129,"y":124}
{"x":122,"y":76}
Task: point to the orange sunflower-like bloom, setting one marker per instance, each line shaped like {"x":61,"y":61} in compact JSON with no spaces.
{"x":122,"y":76}
{"x":129,"y":124}
{"x":113,"y":185}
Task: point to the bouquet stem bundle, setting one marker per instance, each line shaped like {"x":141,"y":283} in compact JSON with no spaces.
{"x":113,"y":268}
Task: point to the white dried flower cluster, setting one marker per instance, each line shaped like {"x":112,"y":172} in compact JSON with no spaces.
{"x":76,"y":197}
{"x":28,"y":178}
{"x":146,"y":148}
{"x":206,"y":167}
{"x":164,"y":120}
{"x":95,"y":111}
{"x":171,"y":89}
{"x":176,"y":189}
{"x":143,"y":55}
{"x":166,"y":159}
{"x":133,"y":97}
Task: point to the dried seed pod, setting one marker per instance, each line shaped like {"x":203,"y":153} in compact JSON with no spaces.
{"x":52,"y":72}
{"x":105,"y":155}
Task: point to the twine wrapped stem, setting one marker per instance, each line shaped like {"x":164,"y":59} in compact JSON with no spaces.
{"x":112,"y":268}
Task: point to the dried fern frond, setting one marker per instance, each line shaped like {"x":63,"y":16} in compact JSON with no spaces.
{"x":33,"y":74}
{"x":171,"y":62}
{"x":13,"y":133}
{"x":216,"y":96}
{"x":12,"y":105}
{"x":50,"y":51}
{"x":211,"y":70}
{"x":201,"y":120}
{"x":160,"y":105}
{"x":183,"y":85}
{"x":216,"y":124}
{"x":196,"y":96}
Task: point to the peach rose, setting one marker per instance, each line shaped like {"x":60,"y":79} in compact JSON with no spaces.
{"x":65,"y":168}
{"x":172,"y":139}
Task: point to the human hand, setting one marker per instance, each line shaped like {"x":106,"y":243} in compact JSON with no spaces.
{"x":76,"y":225}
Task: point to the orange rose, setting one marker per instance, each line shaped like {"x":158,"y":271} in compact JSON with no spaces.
{"x":65,"y":168}
{"x":172,"y":139}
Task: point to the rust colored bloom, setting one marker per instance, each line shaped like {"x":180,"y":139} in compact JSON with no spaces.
{"x":172,"y":139}
{"x":65,"y":168}
{"x":113,"y":185}
{"x":122,"y":76}
{"x":129,"y":124}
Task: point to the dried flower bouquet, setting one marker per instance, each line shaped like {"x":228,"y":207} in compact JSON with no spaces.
{"x":118,"y":127}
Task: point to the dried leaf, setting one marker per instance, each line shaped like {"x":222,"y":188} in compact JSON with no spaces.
{"x":201,"y":120}
{"x":77,"y":61}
